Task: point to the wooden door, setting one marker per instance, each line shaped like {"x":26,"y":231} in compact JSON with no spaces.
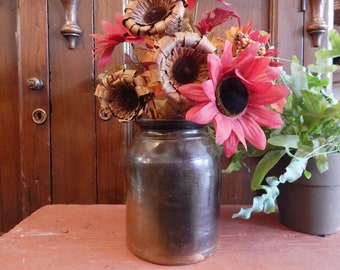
{"x":74,"y":156}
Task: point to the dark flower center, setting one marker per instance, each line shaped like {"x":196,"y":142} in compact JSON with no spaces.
{"x":231,"y":96}
{"x":126,"y":97}
{"x":154,"y":14}
{"x":185,"y":70}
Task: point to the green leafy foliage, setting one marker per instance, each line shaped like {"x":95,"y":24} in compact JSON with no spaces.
{"x":311,"y":128}
{"x":268,"y":161}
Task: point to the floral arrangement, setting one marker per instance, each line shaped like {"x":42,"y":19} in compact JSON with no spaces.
{"x":181,"y":70}
{"x":233,"y":84}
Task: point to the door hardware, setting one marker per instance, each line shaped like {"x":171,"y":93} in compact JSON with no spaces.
{"x":105,"y":114}
{"x":34,"y":83}
{"x":39,"y":116}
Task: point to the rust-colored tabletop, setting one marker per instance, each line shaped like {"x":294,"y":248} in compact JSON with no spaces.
{"x":93,"y":237}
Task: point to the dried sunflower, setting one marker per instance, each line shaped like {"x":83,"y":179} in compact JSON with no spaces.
{"x":152,"y":17}
{"x":123,"y":94}
{"x":182,"y":59}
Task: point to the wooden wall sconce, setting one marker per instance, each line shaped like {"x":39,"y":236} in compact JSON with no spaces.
{"x":70,"y":30}
{"x":318,"y":26}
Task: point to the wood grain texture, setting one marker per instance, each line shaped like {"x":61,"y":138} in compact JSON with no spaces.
{"x":93,"y":237}
{"x":111,"y":138}
{"x":10,"y":201}
{"x":73,"y":149}
{"x":287,"y":29}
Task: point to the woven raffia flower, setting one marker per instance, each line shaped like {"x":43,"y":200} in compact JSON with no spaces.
{"x":123,"y":94}
{"x":182,"y":59}
{"x":151,"y":17}
{"x":236,"y":97}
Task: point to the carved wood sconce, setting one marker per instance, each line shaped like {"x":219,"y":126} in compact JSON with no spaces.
{"x":318,"y":26}
{"x":70,"y":30}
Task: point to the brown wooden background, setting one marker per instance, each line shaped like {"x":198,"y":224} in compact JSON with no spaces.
{"x":75,"y":157}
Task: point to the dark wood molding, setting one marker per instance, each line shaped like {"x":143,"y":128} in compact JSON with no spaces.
{"x":71,"y":30}
{"x":317,"y":27}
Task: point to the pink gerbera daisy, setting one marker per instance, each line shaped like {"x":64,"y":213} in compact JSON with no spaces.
{"x":235,"y":98}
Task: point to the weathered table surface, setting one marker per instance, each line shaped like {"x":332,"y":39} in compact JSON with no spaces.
{"x":93,"y":237}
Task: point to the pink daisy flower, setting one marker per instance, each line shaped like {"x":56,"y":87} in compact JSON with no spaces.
{"x":236,"y":98}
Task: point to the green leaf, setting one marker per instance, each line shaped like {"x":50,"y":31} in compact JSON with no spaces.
{"x":265,"y":202}
{"x":294,"y":170}
{"x":272,"y":191}
{"x":267,"y":162}
{"x":321,"y":163}
{"x":286,"y":141}
{"x":333,"y":111}
{"x":334,"y":39}
{"x":311,"y":103}
{"x":307,"y":174}
{"x":324,"y":55}
{"x":233,"y":166}
{"x":314,"y":81}
{"x":322,"y":66}
{"x":299,"y":80}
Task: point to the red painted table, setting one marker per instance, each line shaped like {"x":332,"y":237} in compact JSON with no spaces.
{"x":93,"y":237}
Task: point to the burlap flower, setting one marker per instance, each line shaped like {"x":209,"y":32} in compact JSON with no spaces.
{"x":151,"y":17}
{"x":124,"y":94}
{"x":182,"y":59}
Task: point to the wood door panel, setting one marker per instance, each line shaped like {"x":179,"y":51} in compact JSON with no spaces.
{"x":10,"y":201}
{"x":287,"y":28}
{"x":111,"y":161}
{"x":34,"y":138}
{"x":112,"y":136}
{"x":72,"y":116}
